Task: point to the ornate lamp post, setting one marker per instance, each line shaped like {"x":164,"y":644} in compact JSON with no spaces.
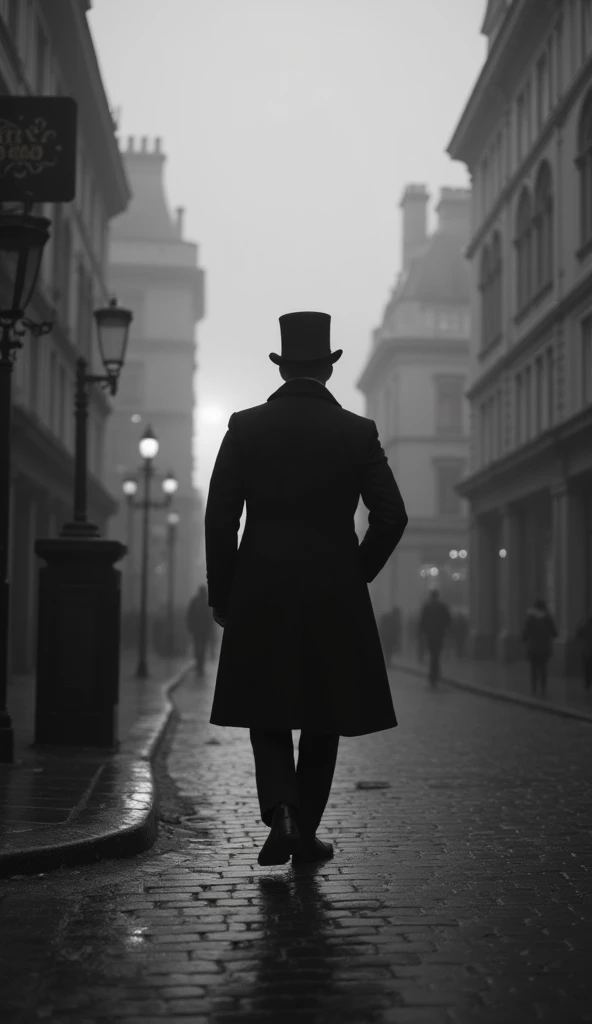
{"x":22,"y":239}
{"x":172,"y":524}
{"x":148,"y":450}
{"x":113,"y":325}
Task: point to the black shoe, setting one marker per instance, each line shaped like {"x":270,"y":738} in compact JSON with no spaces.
{"x":313,"y":850}
{"x":284,"y":838}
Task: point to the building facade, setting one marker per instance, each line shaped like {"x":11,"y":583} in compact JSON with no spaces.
{"x":47,"y":49}
{"x":154,"y":272}
{"x":414,"y":383}
{"x":525,"y":136}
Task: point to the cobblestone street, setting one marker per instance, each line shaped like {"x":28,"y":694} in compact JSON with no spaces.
{"x":460,"y":889}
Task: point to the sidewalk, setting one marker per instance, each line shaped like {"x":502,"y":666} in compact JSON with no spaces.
{"x":565,"y":695}
{"x":64,"y":805}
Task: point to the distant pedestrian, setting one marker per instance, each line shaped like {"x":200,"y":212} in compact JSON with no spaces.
{"x":584,"y":635}
{"x":538,"y":634}
{"x":460,"y":629}
{"x":200,"y":623}
{"x":434,"y":622}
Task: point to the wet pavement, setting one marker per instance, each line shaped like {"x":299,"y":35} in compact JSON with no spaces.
{"x":565,"y":695}
{"x":460,"y":890}
{"x":64,"y":804}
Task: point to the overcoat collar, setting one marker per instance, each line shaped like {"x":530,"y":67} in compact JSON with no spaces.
{"x":297,"y":387}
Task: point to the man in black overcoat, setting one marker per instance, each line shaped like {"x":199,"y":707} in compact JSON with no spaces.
{"x":300,"y":648}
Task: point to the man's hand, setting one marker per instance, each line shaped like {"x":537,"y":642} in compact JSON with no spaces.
{"x":219,"y":618}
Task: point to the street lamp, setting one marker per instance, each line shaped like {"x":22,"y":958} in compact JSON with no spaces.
{"x":22,"y":240}
{"x":172,"y":524}
{"x":113,"y":325}
{"x":148,"y":451}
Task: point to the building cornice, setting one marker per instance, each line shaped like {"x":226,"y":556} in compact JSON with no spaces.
{"x":79,"y":69}
{"x":547,"y":322}
{"x":386,"y":352}
{"x":549,"y":449}
{"x":493,"y":88}
{"x":553,"y":124}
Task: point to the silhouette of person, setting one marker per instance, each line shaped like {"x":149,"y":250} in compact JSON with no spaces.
{"x":300,"y":648}
{"x":538,"y":634}
{"x":200,"y":624}
{"x":434,"y":621}
{"x":584,"y":635}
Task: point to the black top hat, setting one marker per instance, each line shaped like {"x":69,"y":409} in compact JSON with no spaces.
{"x":305,"y":339}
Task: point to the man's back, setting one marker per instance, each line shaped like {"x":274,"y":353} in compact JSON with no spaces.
{"x":295,"y":594}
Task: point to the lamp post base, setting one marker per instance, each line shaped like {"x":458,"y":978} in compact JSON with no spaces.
{"x":6,"y":740}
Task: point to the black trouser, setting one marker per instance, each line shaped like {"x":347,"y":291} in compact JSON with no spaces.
{"x":538,"y":671}
{"x":435,"y":649}
{"x":306,"y":786}
{"x":587,"y":667}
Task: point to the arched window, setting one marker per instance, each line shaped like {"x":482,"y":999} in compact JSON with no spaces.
{"x":543,"y":227}
{"x":484,"y":288}
{"x":584,"y":165}
{"x":495,"y":278}
{"x":523,"y":243}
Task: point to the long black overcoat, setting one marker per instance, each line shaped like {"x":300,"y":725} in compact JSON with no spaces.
{"x":300,"y":648}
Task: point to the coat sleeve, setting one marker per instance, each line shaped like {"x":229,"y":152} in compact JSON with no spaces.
{"x":226,"y":498}
{"x":387,"y":517}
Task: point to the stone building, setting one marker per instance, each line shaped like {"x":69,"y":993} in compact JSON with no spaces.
{"x":47,"y":49}
{"x":154,"y":272}
{"x":525,"y":136}
{"x":414,"y":382}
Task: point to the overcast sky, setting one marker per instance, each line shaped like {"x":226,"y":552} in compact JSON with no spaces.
{"x":291,"y":128}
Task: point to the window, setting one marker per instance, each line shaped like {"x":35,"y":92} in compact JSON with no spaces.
{"x":51,"y":414}
{"x":62,"y":259}
{"x":542,"y":85}
{"x":496,"y":287}
{"x":584,"y":165}
{"x":586,"y":26}
{"x":84,"y":318}
{"x":40,"y":60}
{"x":558,"y":60}
{"x":518,"y":404}
{"x":523,"y":245}
{"x":499,"y":442}
{"x":550,"y":373}
{"x":12,"y":20}
{"x":527,"y":404}
{"x":62,"y":404}
{"x":520,"y":126}
{"x":587,"y":361}
{"x":448,"y":475}
{"x":484,"y":278}
{"x":543,"y":227}
{"x":449,"y":404}
{"x":539,"y":386}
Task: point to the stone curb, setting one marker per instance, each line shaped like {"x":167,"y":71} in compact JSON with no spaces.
{"x":487,"y":691}
{"x":119,"y":813}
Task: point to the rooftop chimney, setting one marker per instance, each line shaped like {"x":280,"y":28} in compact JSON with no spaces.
{"x":414,"y":205}
{"x":180,"y":212}
{"x":454,"y":211}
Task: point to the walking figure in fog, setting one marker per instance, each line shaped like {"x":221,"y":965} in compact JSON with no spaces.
{"x":538,"y":635}
{"x":200,"y":624}
{"x":584,"y":635}
{"x":434,"y":621}
{"x":300,"y":648}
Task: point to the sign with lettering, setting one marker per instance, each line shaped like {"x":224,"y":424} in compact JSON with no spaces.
{"x":37,"y":149}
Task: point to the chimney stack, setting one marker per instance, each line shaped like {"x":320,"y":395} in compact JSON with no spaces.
{"x":180,"y":211}
{"x":454,"y":211}
{"x":414,"y":205}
